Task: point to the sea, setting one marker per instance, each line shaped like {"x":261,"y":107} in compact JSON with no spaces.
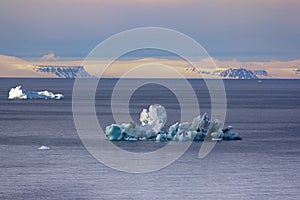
{"x":265,"y":164}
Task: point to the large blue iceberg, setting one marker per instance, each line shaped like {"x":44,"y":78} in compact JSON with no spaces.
{"x":152,"y":123}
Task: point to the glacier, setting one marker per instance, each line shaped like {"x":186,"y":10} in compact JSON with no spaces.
{"x":21,"y":93}
{"x":152,"y":124}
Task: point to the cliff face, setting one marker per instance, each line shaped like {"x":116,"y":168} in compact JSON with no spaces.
{"x":64,"y":72}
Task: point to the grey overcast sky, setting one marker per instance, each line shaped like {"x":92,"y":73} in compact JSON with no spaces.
{"x":262,"y":30}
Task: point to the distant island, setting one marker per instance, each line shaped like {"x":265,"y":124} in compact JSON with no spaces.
{"x":67,"y":68}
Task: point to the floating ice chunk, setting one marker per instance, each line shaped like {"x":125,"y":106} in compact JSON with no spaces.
{"x":153,"y":122}
{"x":161,"y":137}
{"x":181,"y":137}
{"x":227,"y":135}
{"x":172,"y":131}
{"x":196,"y":123}
{"x":148,"y":131}
{"x":157,"y":117}
{"x":16,"y":93}
{"x":20,"y":93}
{"x":144,"y":117}
{"x":113,"y":132}
{"x":190,"y":135}
{"x":181,"y":134}
{"x":199,"y":136}
{"x":46,"y":94}
{"x":204,"y":123}
{"x":133,"y":130}
{"x":43,"y":148}
{"x":215,"y":129}
{"x":184,"y":127}
{"x":129,"y":129}
{"x":227,"y":129}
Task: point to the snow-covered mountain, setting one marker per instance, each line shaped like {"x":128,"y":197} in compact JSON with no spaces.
{"x":263,"y":73}
{"x":64,"y":71}
{"x":239,"y":73}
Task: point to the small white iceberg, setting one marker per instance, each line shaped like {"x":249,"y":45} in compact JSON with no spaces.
{"x":20,"y":93}
{"x":44,"y":148}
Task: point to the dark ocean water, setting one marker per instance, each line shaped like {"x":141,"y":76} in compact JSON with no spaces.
{"x":264,"y":165}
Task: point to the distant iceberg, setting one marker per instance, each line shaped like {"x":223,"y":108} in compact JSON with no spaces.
{"x":152,"y":123}
{"x":44,"y":148}
{"x":20,"y":93}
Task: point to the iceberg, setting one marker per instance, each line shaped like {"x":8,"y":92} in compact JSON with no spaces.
{"x":152,"y":124}
{"x":20,"y":93}
{"x":155,"y":118}
{"x":44,"y":148}
{"x":115,"y":132}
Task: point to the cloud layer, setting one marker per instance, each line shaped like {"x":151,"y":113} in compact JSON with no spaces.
{"x":49,"y":57}
{"x":268,"y":29}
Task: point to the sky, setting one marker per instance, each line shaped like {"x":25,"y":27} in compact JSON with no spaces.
{"x":253,"y":30}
